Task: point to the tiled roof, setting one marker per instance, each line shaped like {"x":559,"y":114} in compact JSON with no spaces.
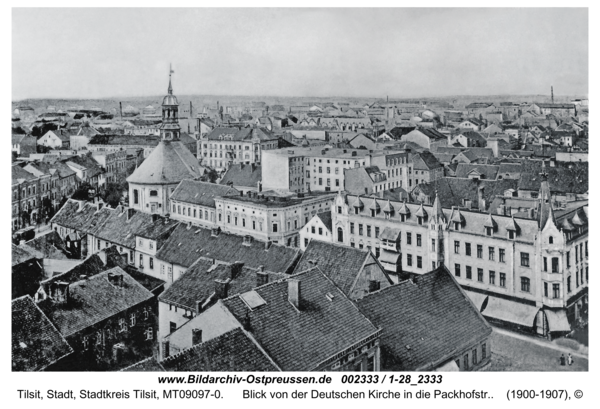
{"x":425,"y":161}
{"x":169,"y":162}
{"x":425,"y":321}
{"x":300,"y":340}
{"x":242,"y":175}
{"x":93,"y":300}
{"x":234,"y":351}
{"x":561,"y":179}
{"x":36,"y":343}
{"x":187,"y":244}
{"x":135,"y":140}
{"x":340,"y":263}
{"x":488,"y":172}
{"x":22,"y":254}
{"x":147,"y":365}
{"x":50,"y":245}
{"x":19,"y":174}
{"x":200,"y":193}
{"x":85,"y":221}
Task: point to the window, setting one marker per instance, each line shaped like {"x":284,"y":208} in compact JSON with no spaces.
{"x":474,"y":355}
{"x":479,"y":251}
{"x":135,"y":196}
{"x":360,"y":229}
{"x":488,"y":231}
{"x":153,"y":193}
{"x":432,"y":244}
{"x":339,"y":209}
{"x":466,"y":361}
{"x":502,"y":280}
{"x":568,"y":283}
{"x":376,"y":232}
{"x":172,"y":327}
{"x":419,"y":262}
{"x":418,"y":240}
{"x":409,"y":260}
{"x":312,"y":229}
{"x":151,"y":263}
{"x":511,"y":234}
{"x":149,"y":333}
{"x":141,"y":260}
{"x":569,"y":257}
{"x":525,"y":284}
{"x":132,"y":319}
{"x":131,"y":260}
{"x":368,"y":231}
{"x":456,"y":246}
{"x":320,"y":231}
{"x":408,"y":238}
{"x":275,"y":227}
{"x":545,"y":264}
{"x":457,"y":270}
{"x":501,"y":254}
{"x":483,"y":351}
{"x":351,"y":228}
{"x":122,"y":325}
{"x":524,"y":259}
{"x":492,"y":277}
{"x":480,"y":275}
{"x":546,"y":289}
{"x":492,"y":253}
{"x":468,"y":249}
{"x":555,"y":264}
{"x":468,"y":270}
{"x":556,"y":290}
{"x":550,"y":240}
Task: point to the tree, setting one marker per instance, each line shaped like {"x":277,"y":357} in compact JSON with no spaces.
{"x":213,"y":175}
{"x":112,"y":194}
{"x":82,"y":192}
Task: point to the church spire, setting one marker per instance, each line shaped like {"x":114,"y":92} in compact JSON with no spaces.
{"x":546,"y":211}
{"x":170,"y":90}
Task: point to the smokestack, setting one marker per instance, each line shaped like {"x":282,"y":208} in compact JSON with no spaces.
{"x":295,"y":293}
{"x":480,"y":199}
{"x":552,"y":93}
{"x":196,"y":336}
{"x":121,"y":110}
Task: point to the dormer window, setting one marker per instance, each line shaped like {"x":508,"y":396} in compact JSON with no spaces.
{"x":420,"y":220}
{"x":456,"y":226}
{"x":373,"y":212}
{"x":488,"y":231}
{"x":402,"y":217}
{"x":511,"y":234}
{"x":356,"y":211}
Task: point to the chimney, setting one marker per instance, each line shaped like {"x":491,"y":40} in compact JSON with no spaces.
{"x":241,"y":193}
{"x":130,"y":213}
{"x":373,"y":285}
{"x":480,"y":199}
{"x":214,"y":232}
{"x":262,"y":278}
{"x":295,"y":293}
{"x":259,"y":186}
{"x":198,"y":307}
{"x":236,"y":269}
{"x":155,"y":217}
{"x":196,"y":336}
{"x":221,"y":287}
{"x":268,"y":245}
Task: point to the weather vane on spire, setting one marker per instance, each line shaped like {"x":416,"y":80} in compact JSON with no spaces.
{"x":170,"y":90}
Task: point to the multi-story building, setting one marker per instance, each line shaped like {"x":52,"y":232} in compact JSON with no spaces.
{"x":529,"y":272}
{"x":25,"y":197}
{"x":113,"y":164}
{"x":273,"y":218}
{"x":426,"y":168}
{"x":226,"y":146}
{"x":194,"y":202}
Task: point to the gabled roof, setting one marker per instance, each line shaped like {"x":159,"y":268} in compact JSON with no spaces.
{"x":242,"y":175}
{"x":425,"y":161}
{"x":325,"y":219}
{"x":341,"y":264}
{"x":244,"y":134}
{"x":22,"y":254}
{"x":488,"y":172}
{"x":234,"y":351}
{"x":94,"y":300}
{"x":201,"y":193}
{"x":146,"y":365}
{"x":301,"y":340}
{"x":36,"y":343}
{"x":425,"y":321}
{"x":188,"y":243}
{"x":170,"y":162}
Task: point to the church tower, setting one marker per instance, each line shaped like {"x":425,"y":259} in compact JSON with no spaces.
{"x":168,"y":164}
{"x":170,"y":129}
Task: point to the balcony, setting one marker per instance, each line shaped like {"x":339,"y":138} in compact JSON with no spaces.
{"x":553,"y":302}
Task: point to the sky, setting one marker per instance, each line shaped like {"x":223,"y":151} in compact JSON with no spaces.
{"x":101,"y":53}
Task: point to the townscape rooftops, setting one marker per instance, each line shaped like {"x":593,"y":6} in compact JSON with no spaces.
{"x":573,"y":178}
{"x":22,"y":254}
{"x":146,"y":365}
{"x":36,"y":343}
{"x":341,"y":264}
{"x":201,"y":193}
{"x":238,"y":135}
{"x":188,"y":243}
{"x":488,"y":172}
{"x":425,"y":321}
{"x":93,"y":300}
{"x":301,"y":339}
{"x":234,"y":351}
{"x":425,"y":161}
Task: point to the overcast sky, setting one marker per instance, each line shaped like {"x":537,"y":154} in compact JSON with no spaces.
{"x":92,"y":53}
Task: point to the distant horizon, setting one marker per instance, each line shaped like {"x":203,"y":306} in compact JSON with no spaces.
{"x":298,"y":53}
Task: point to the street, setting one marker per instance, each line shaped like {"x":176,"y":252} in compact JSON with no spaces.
{"x":517,"y":352}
